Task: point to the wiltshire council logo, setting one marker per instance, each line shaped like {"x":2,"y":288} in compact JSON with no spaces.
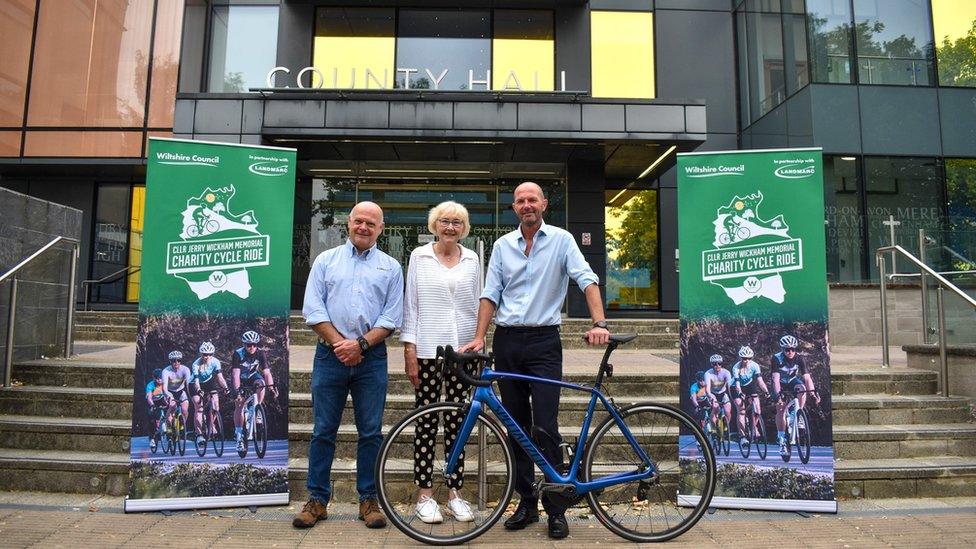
{"x":216,"y":246}
{"x":743,"y":270}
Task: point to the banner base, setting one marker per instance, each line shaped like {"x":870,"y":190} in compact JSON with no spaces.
{"x":179,"y":504}
{"x":761,"y":504}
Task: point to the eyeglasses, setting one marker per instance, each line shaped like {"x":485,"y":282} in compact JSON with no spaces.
{"x":450,"y":222}
{"x":250,"y":344}
{"x":789,"y":349}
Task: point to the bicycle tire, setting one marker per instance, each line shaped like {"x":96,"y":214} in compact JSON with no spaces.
{"x":217,"y":440}
{"x":260,"y":431}
{"x":659,"y":443}
{"x":742,"y":233}
{"x":790,"y":426}
{"x":726,"y":435}
{"x":181,"y":435}
{"x":210,"y":227}
{"x":205,"y":431}
{"x":761,"y":442}
{"x":390,"y":470}
{"x":724,"y":239}
{"x":745,"y":439}
{"x":803,"y":436}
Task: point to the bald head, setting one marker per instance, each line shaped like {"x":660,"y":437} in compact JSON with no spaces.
{"x":365,"y":225}
{"x":529,"y":204}
{"x":529,"y":186}
{"x":367,"y":206}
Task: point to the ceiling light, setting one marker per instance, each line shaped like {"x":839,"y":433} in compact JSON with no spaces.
{"x":849,"y":158}
{"x":658,"y":161}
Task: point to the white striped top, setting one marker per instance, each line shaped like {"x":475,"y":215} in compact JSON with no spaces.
{"x":434,"y":315}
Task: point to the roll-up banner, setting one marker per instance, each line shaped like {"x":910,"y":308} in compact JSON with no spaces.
{"x":210,"y":402}
{"x":755,"y":361}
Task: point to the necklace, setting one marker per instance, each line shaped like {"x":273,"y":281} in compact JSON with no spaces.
{"x":449,"y":259}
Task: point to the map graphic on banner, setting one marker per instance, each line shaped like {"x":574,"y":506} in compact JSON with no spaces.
{"x":755,"y":362}
{"x":210,"y":399}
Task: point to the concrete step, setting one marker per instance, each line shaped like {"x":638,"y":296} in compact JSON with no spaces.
{"x":105,"y":332}
{"x":111,"y":318}
{"x":107,"y":473}
{"x":78,"y":373}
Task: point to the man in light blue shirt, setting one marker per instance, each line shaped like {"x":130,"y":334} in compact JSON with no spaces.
{"x":526,"y":282}
{"x":353,"y":301}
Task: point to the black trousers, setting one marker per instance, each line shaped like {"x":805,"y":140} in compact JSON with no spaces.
{"x":537,"y":352}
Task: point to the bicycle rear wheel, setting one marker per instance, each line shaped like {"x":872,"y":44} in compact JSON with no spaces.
{"x":414,"y":453}
{"x":180,"y":434}
{"x":260,"y":431}
{"x":217,"y":437}
{"x":651,"y":510}
{"x":726,"y":434}
{"x":803,"y":436}
{"x":745,"y":445}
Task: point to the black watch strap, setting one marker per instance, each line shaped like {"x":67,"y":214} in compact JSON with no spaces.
{"x":363,"y":344}
{"x":601,"y":324}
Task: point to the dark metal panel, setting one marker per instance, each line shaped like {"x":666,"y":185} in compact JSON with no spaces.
{"x":716,"y":5}
{"x":573,"y":47}
{"x":296,"y":26}
{"x":655,"y":118}
{"x":357,"y":114}
{"x":900,"y":120}
{"x":836,"y":118}
{"x":771,"y":130}
{"x":719,"y":142}
{"x":253,"y":116}
{"x":696,"y":120}
{"x":485,"y":116}
{"x":218,"y":116}
{"x":252,"y":139}
{"x":218,"y":137}
{"x":667,"y":231}
{"x":183,"y":116}
{"x":603,"y":118}
{"x":549,"y":117}
{"x":799,"y":119}
{"x":958,"y":113}
{"x":704,"y":68}
{"x":631,"y":5}
{"x":294,"y":113}
{"x":424,"y":115}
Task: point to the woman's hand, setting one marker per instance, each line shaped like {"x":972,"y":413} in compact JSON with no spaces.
{"x":412,"y":368}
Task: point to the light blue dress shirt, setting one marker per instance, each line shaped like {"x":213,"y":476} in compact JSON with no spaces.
{"x":529,"y":291}
{"x":354,"y":292}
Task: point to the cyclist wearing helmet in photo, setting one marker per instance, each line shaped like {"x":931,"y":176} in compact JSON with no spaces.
{"x":699,"y":394}
{"x":176,"y":382}
{"x":747,"y":381}
{"x":789,"y":371}
{"x":207,"y":377}
{"x":717,"y":382}
{"x":156,"y":400}
{"x":249,"y":365}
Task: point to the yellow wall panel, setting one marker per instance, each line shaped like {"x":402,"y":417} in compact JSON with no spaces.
{"x":533,"y":62}
{"x":622,"y":54}
{"x":337,"y":56}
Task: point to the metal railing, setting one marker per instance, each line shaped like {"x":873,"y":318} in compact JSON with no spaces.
{"x":86,"y":285}
{"x":944,"y":284}
{"x":12,"y":305}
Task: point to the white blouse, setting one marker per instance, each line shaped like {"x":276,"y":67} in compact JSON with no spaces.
{"x":440,"y":305}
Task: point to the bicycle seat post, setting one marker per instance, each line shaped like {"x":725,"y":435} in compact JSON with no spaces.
{"x":605,"y":367}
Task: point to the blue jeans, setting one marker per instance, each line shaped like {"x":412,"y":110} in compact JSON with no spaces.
{"x":332,"y":382}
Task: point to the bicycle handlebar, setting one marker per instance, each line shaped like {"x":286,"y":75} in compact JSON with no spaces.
{"x":456,"y":361}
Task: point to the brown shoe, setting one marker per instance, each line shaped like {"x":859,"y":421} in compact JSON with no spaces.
{"x":313,"y":512}
{"x":370,"y":513}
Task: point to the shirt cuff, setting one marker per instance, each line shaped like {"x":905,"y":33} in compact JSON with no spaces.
{"x":408,"y":338}
{"x":386,"y":322}
{"x":317,"y":317}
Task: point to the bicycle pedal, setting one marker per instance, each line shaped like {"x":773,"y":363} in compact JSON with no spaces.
{"x":551,"y":487}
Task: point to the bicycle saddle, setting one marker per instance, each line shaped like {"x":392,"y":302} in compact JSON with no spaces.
{"x":622,"y":338}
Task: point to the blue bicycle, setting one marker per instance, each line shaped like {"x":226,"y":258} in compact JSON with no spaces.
{"x":627,"y":467}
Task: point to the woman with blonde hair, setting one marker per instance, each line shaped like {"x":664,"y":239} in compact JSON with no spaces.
{"x":440,"y":307}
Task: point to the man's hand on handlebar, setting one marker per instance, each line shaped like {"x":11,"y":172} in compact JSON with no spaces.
{"x":597,"y":336}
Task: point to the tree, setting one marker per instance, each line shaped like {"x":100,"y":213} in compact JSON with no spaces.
{"x":636,"y":240}
{"x":957,"y":60}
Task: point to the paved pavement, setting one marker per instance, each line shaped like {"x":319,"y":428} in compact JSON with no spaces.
{"x":575,"y":361}
{"x":73,"y":520}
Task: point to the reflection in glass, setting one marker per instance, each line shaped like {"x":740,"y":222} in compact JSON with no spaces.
{"x":845,"y":242}
{"x":111,"y":246}
{"x":523,"y":50}
{"x":435,"y":41}
{"x":243,"y":47}
{"x":829,"y":27}
{"x":165,"y":64}
{"x":16,"y":30}
{"x":955,"y":41}
{"x":632,"y":249}
{"x":961,"y":193}
{"x":767,"y":81}
{"x":894,"y":42}
{"x":351,"y":41}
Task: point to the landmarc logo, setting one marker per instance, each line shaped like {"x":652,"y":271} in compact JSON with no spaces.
{"x":795,"y":168}
{"x":268,"y":166}
{"x":179,"y":159}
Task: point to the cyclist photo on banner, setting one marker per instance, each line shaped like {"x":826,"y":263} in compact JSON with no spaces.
{"x":176,"y":384}
{"x":747,"y":382}
{"x":249,"y":373}
{"x":791,"y":380}
{"x":207,"y":379}
{"x":156,"y":402}
{"x":699,"y":398}
{"x":717,"y":383}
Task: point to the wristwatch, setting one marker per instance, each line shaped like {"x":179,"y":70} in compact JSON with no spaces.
{"x":601,"y":324}
{"x":363,"y":344}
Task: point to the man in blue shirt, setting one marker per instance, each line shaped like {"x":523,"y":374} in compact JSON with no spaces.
{"x":353,"y":301}
{"x":529,"y":270}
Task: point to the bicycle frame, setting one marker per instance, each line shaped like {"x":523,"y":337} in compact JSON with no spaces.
{"x":484,"y":396}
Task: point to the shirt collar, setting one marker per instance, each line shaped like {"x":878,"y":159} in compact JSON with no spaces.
{"x":427,"y":250}
{"x":355,"y":253}
{"x":543,"y":229}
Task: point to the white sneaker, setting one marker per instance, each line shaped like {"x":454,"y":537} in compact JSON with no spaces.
{"x":428,"y":511}
{"x":460,"y":509}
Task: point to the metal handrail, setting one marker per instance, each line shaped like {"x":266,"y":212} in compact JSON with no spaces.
{"x":12,"y":311}
{"x":87,"y":284}
{"x":914,"y":275}
{"x":944,"y":284}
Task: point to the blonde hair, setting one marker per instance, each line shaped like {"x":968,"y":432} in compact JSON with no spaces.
{"x":445,"y":209}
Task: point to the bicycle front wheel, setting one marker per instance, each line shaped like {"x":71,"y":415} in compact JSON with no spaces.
{"x":726,"y":435}
{"x":803,"y":436}
{"x":180,"y":434}
{"x":651,"y":510}
{"x":414,"y":455}
{"x":762,"y":445}
{"x":260,"y":431}
{"x":217,"y":438}
{"x":745,"y":445}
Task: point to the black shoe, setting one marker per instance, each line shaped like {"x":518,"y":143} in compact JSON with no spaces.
{"x":558,"y":528}
{"x":525,"y":515}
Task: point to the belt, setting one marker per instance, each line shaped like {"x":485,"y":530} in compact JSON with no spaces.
{"x":529,"y":329}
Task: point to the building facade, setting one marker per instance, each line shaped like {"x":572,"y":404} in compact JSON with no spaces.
{"x":409,"y":103}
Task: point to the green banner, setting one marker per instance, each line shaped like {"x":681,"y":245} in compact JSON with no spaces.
{"x":753,"y":299}
{"x":216,"y":277}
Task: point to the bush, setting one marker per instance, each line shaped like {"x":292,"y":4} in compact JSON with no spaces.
{"x":151,"y":480}
{"x":749,"y":481}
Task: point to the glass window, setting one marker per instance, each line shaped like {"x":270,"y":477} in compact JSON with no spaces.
{"x":136,"y":220}
{"x":632,"y":249}
{"x":351,"y":41}
{"x":767,"y":80}
{"x":16,"y":30}
{"x":894,"y":42}
{"x":622,"y":54}
{"x":795,"y":52}
{"x":91,"y":62}
{"x":243,"y":47}
{"x":829,"y":27}
{"x":165,"y":66}
{"x":909,"y":190}
{"x":450,"y":49}
{"x":192,"y":46}
{"x":955,"y":41}
{"x":845,"y":243}
{"x":10,"y":143}
{"x":961,"y":193}
{"x":742,"y":51}
{"x":83,"y":143}
{"x":110,"y":250}
{"x":523,"y":50}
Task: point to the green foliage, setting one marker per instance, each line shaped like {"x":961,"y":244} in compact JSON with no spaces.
{"x":957,"y":60}
{"x":749,"y":481}
{"x":636,"y":240}
{"x":151,"y":480}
